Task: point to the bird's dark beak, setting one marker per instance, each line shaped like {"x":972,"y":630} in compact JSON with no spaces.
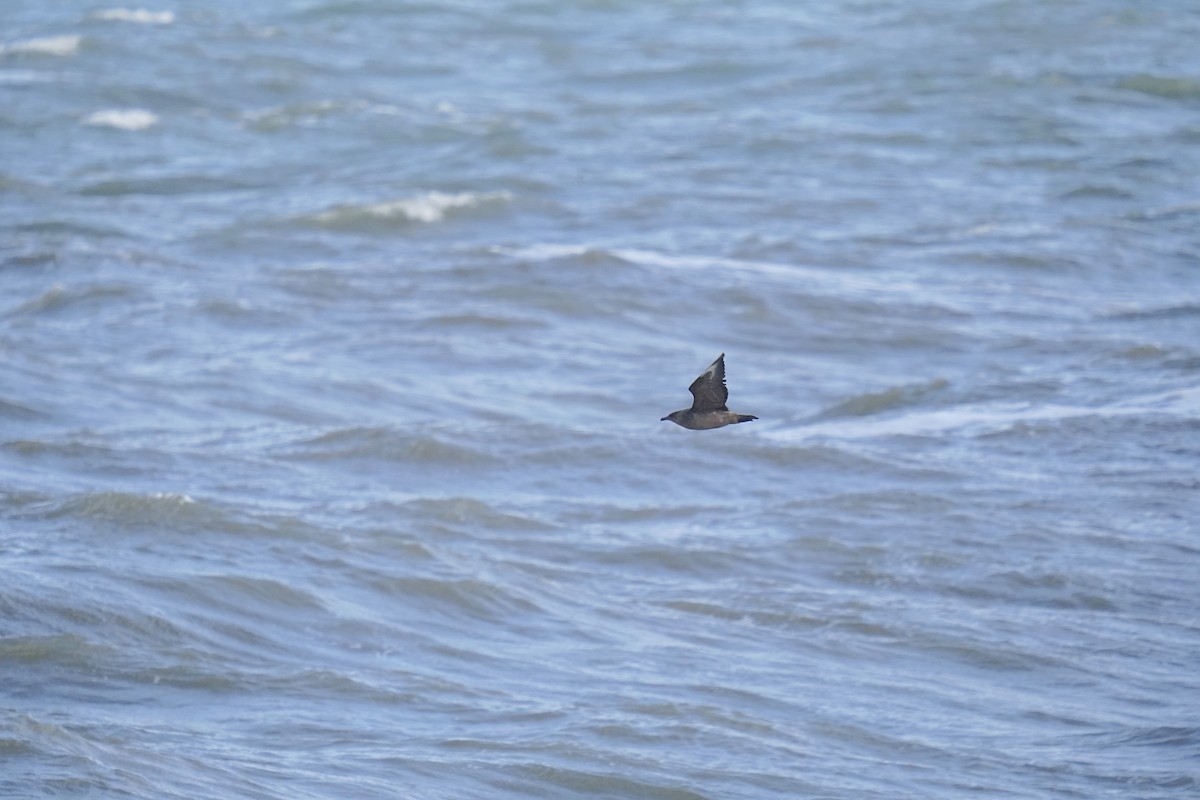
{"x":664,"y":419}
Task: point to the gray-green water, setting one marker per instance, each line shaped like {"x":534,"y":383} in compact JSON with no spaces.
{"x":334,"y":338}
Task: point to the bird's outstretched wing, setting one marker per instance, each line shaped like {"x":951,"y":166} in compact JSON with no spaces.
{"x":709,"y":389}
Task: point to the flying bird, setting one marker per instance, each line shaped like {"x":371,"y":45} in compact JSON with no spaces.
{"x":708,"y":408}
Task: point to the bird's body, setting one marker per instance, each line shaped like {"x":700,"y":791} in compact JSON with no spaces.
{"x":708,"y":406}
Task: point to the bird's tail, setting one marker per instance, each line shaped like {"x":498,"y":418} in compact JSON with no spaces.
{"x":745,"y":417}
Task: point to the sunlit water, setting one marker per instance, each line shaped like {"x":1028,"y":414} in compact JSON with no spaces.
{"x":334,"y":338}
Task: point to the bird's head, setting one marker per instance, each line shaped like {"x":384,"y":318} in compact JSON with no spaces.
{"x":672,"y":417}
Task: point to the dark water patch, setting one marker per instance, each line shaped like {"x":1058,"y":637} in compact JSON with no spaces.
{"x":167,"y":185}
{"x":619,"y":516}
{"x":470,"y":514}
{"x":40,"y":652}
{"x":731,"y":610}
{"x":376,"y":532}
{"x":337,"y":685}
{"x":457,"y":598}
{"x":1179,"y":311}
{"x":165,"y":515}
{"x":244,"y":314}
{"x":1170,"y":87}
{"x":1142,"y":353}
{"x":882,"y":503}
{"x":543,"y":780}
{"x":1097,"y":192}
{"x":1019,"y":258}
{"x":896,"y":397}
{"x":1047,"y":590}
{"x":810,"y":545}
{"x":14,"y":748}
{"x":304,"y":114}
{"x":565,"y":255}
{"x":387,"y":444}
{"x":333,"y":286}
{"x":160,"y":510}
{"x":372,"y":12}
{"x":17,"y":411}
{"x":1187,"y":737}
{"x":82,"y":455}
{"x":19,"y":185}
{"x":59,"y":298}
{"x":1000,"y":656}
{"x":28,"y":256}
{"x":249,"y":591}
{"x":479,"y":322}
{"x":662,"y":563}
{"x":231,"y":619}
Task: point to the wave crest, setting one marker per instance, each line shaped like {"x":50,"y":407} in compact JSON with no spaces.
{"x":140,"y":16}
{"x":425,"y":208}
{"x":67,"y":45}
{"x":125,"y":119}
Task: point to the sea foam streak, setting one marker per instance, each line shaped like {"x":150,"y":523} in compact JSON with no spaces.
{"x":126,"y":119}
{"x":140,"y":16}
{"x":429,"y":207}
{"x":45,"y":46}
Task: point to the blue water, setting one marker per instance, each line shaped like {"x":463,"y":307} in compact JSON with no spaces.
{"x":334,"y":338}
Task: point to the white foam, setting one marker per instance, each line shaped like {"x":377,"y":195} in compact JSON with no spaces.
{"x":433,"y":206}
{"x":176,"y":497}
{"x":429,"y":207}
{"x":126,"y":119}
{"x":543,"y":252}
{"x":140,"y":16}
{"x":46,"y":46}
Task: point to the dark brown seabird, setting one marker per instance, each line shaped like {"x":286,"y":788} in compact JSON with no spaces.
{"x":708,"y":409}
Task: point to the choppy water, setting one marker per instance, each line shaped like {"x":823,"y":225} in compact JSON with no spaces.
{"x":334,"y":338}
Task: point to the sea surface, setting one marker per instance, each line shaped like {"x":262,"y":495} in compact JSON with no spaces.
{"x":335,"y":337}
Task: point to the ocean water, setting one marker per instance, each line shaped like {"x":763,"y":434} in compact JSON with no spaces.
{"x":335,"y":334}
